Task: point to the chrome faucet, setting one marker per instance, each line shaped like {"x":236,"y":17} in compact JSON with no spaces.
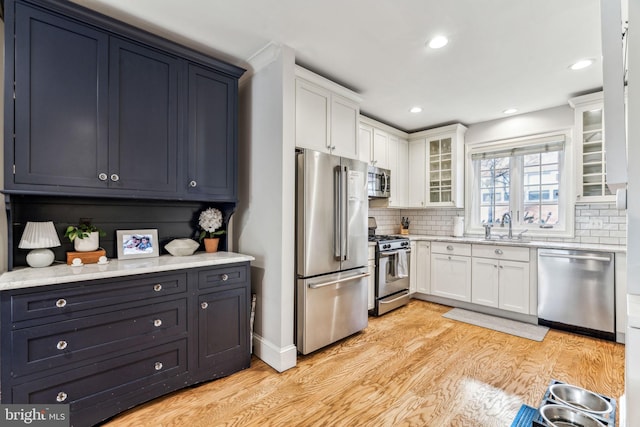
{"x":507,"y":215}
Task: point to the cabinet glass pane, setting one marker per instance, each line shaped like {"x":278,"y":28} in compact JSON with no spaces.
{"x":589,"y":137}
{"x":590,"y":168}
{"x":592,"y":119}
{"x":446,"y":146}
{"x":434,"y":147}
{"x":434,"y":196}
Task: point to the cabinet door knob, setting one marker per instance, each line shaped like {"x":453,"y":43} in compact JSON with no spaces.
{"x":498,"y":251}
{"x":158,"y":366}
{"x":115,"y":177}
{"x":204,"y":305}
{"x":192,"y":184}
{"x":61,"y":303}
{"x":157,"y":323}
{"x":449,"y":247}
{"x":502,"y":266}
{"x":61,"y":397}
{"x":225,"y":277}
{"x":102,"y":176}
{"x":157,"y":287}
{"x":61,"y":345}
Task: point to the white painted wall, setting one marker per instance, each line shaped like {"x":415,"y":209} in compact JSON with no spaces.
{"x":536,"y":122}
{"x":264,"y":221}
{"x":632,"y":371}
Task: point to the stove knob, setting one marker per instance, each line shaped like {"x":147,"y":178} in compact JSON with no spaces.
{"x":387,"y":246}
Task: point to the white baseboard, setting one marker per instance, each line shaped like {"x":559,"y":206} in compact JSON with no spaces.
{"x":278,"y":358}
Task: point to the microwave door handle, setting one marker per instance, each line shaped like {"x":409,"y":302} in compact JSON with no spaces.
{"x":345,"y":213}
{"x":386,"y":182}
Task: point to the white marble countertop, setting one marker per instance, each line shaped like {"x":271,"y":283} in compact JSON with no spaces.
{"x":62,"y":273}
{"x":526,"y":243}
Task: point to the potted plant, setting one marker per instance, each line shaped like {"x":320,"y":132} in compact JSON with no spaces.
{"x":210,"y":221}
{"x":85,"y":236}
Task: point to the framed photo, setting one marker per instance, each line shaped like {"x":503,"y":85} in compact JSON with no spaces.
{"x":137,"y":243}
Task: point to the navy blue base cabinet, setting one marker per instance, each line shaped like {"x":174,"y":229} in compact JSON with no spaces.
{"x":104,"y":346}
{"x":97,"y":108}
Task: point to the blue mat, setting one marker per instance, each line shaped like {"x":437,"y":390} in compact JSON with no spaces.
{"x":525,"y":417}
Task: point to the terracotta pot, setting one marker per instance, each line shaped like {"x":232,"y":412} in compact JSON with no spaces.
{"x":211,"y":244}
{"x":88,"y":244}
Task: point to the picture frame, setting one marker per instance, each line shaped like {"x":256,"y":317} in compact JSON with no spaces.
{"x":137,"y":243}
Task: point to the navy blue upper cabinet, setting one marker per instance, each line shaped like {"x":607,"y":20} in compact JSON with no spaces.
{"x":211,"y":135}
{"x":143,"y":119}
{"x":104,"y":109}
{"x":61,"y":103}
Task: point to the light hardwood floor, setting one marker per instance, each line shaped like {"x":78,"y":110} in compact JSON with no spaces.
{"x":411,"y":367}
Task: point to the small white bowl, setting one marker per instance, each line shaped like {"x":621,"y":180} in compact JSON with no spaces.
{"x":182,"y":247}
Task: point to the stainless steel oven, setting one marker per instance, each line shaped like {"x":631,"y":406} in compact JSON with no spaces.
{"x":378,"y":182}
{"x":392,"y":273}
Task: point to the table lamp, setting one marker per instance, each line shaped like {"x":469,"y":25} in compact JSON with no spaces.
{"x":39,"y":236}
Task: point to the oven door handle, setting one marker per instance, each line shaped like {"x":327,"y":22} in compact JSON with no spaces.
{"x":404,"y":294}
{"x":335,"y":282}
{"x":392,"y":253}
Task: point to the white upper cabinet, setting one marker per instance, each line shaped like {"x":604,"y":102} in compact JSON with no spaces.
{"x":386,"y":147}
{"x":326,"y":115}
{"x":398,"y":158}
{"x":417,"y":169}
{"x":380,"y":152}
{"x":436,"y":167}
{"x":591,"y":175}
{"x":366,"y":141}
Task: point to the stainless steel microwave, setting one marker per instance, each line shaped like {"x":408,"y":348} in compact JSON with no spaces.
{"x":379,"y":182}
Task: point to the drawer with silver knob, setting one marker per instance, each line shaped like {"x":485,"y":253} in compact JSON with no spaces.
{"x":96,"y":384}
{"x":62,"y":300}
{"x":451,"y":248}
{"x":222,"y":276}
{"x":51,"y":346}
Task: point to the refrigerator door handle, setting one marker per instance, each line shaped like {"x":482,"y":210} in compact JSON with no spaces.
{"x":335,"y":282}
{"x":345,"y":213}
{"x":337,"y":212}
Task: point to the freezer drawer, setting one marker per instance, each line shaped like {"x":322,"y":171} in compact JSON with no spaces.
{"x":576,"y":291}
{"x":330,"y":307}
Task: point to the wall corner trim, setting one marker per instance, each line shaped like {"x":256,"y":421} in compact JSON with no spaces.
{"x":279,"y":358}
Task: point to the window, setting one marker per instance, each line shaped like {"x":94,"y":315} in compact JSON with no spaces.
{"x":527,"y":179}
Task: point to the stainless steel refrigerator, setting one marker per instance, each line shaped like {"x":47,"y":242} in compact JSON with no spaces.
{"x":331,"y":249}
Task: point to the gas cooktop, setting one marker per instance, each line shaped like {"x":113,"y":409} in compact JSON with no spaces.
{"x":384,"y":238}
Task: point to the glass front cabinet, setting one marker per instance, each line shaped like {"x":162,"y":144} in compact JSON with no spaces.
{"x":444,"y":166}
{"x":591,"y":174}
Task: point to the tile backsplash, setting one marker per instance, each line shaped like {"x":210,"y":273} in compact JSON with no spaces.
{"x":594,"y":223}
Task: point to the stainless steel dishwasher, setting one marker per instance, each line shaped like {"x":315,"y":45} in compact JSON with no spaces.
{"x":576,"y":291}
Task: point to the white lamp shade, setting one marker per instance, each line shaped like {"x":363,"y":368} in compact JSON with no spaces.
{"x":38,"y":235}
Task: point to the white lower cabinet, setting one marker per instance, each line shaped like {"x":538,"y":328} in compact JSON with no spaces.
{"x":413,"y":269}
{"x":423,"y":267}
{"x":372,"y":277}
{"x":500,"y":277}
{"x":451,"y":270}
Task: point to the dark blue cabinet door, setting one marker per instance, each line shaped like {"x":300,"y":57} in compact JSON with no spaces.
{"x":211,"y":135}
{"x":143,"y":119}
{"x":60,"y":102}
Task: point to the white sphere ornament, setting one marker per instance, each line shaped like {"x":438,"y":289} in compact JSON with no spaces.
{"x":40,"y":258}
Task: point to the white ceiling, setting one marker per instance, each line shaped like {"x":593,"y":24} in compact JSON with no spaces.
{"x":501,"y":53}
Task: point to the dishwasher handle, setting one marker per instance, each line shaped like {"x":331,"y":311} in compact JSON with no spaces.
{"x":579,"y":257}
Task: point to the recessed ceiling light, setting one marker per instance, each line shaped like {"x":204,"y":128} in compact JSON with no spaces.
{"x":583,"y":63}
{"x":438,"y":42}
{"x":416,"y":110}
{"x":510,"y":111}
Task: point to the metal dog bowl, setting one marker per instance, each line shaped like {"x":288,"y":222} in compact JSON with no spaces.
{"x":579,"y":398}
{"x":566,"y":416}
